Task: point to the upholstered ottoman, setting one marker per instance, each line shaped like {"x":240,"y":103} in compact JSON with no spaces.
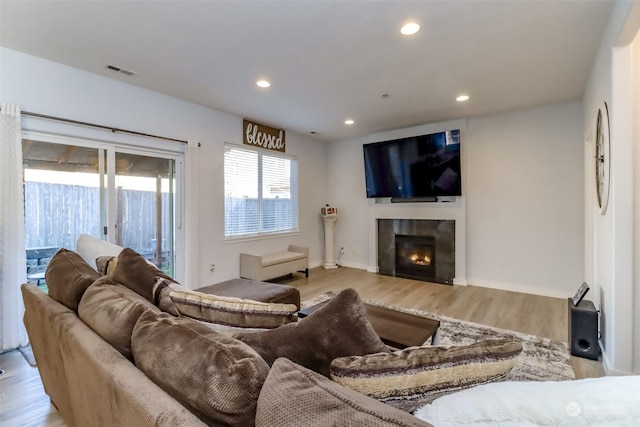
{"x":254,"y":290}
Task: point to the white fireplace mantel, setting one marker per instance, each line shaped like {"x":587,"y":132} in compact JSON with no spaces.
{"x":455,"y":210}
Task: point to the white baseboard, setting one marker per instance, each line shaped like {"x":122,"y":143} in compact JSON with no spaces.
{"x":356,"y":265}
{"x":494,"y":285}
{"x":608,"y":369}
{"x":525,"y":289}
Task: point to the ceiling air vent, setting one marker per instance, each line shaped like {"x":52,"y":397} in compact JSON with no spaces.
{"x":121,"y":70}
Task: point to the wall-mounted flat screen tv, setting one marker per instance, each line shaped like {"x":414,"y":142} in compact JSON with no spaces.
{"x":416,"y":167}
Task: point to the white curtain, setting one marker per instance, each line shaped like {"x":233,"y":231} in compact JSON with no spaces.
{"x":190,"y":222}
{"x":12,"y":233}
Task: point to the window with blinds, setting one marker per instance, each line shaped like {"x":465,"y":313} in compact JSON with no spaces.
{"x":260,"y":193}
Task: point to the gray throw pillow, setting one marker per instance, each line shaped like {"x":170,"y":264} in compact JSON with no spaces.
{"x":340,"y":328}
{"x":231,"y":311}
{"x":409,"y":378}
{"x":103,"y":263}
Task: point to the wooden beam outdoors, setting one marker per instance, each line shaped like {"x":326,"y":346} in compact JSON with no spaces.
{"x":64,"y":158}
{"x":159,"y":222}
{"x":26,"y":146}
{"x":120,"y":196}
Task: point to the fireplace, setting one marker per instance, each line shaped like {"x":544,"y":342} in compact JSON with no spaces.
{"x":420,"y":249}
{"x":415,"y":257}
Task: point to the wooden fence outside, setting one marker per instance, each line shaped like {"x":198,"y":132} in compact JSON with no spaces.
{"x":56,"y":214}
{"x":242,"y":215}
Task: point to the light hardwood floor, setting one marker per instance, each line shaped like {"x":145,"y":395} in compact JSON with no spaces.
{"x":531,"y":314}
{"x":24,"y":403}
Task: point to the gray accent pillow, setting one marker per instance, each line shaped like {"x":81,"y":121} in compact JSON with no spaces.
{"x":103,"y":263}
{"x":409,"y":378}
{"x":68,"y":276}
{"x":231,"y":311}
{"x":217,"y":377}
{"x":112,"y":311}
{"x":295,"y":396}
{"x":340,"y":328}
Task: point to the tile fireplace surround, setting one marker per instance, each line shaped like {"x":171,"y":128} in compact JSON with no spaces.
{"x":442,"y":231}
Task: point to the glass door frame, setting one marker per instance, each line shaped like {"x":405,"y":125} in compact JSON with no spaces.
{"x":108,"y":189}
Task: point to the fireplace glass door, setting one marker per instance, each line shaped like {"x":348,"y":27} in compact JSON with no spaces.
{"x":415,"y":257}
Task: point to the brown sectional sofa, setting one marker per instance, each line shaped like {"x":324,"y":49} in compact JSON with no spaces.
{"x":88,"y":380}
{"x":94,"y":383}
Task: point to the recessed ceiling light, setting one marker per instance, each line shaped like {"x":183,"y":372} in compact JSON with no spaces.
{"x":263,"y":83}
{"x":462,"y":98}
{"x":410,"y":28}
{"x":349,"y":122}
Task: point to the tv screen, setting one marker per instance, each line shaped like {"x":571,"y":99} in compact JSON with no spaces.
{"x":415,"y":167}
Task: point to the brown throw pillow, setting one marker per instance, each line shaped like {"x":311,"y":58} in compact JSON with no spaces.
{"x":68,"y":276}
{"x":409,"y":378}
{"x":340,"y":328}
{"x":217,"y":377}
{"x":112,"y":311}
{"x":136,"y":273}
{"x":294,"y":396}
{"x":231,"y":311}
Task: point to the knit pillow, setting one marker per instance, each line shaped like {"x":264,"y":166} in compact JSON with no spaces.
{"x":407,"y":378}
{"x":339,"y":328}
{"x":295,"y":396}
{"x":216,"y":377}
{"x":231,"y":311}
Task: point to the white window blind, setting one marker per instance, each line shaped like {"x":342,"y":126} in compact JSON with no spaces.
{"x":260,"y":193}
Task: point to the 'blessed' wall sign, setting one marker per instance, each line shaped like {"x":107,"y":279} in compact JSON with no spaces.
{"x":262,"y":136}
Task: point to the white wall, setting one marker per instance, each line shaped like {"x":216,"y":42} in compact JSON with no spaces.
{"x":520,"y":219}
{"x":45,"y":87}
{"x":525,"y":201}
{"x":609,"y":255}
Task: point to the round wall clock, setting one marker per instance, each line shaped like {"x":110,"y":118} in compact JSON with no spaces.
{"x":602,"y":157}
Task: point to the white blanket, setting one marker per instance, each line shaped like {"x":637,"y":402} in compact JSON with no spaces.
{"x":607,"y":401}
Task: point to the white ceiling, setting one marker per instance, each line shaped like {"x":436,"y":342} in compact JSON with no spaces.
{"x":327,"y":60}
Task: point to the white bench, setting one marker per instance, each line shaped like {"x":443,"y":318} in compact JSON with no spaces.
{"x":269,"y":266}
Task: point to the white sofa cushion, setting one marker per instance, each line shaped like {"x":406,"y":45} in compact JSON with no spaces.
{"x":607,"y":401}
{"x":90,"y":248}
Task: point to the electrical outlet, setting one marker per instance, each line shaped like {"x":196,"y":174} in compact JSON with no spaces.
{"x":212,"y":268}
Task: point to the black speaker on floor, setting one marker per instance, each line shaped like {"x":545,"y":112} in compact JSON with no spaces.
{"x":583,"y":329}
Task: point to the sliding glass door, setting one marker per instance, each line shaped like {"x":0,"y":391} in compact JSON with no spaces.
{"x":145,"y":197}
{"x":123,"y":195}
